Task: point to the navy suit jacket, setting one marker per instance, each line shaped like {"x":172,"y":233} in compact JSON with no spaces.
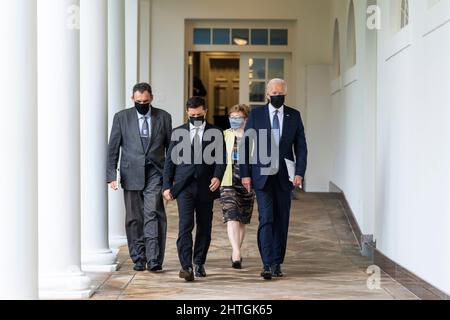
{"x":179,"y":176}
{"x":292,"y":143}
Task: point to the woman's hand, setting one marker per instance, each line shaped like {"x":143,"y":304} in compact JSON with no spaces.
{"x":247,"y":183}
{"x":167,"y":195}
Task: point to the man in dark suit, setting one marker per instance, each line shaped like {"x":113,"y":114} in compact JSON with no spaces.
{"x":195,"y":165}
{"x":142,"y":134}
{"x":283,"y":130}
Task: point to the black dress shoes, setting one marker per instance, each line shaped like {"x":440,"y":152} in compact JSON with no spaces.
{"x":266,"y":273}
{"x":200,"y":271}
{"x":276,"y":271}
{"x":236,"y":264}
{"x":139,"y":266}
{"x":154,"y":266}
{"x":187,"y":274}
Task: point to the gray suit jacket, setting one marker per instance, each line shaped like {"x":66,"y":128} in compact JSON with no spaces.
{"x":125,"y":134}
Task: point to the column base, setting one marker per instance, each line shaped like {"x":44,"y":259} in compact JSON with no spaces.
{"x":115,"y":242}
{"x":99,"y":268}
{"x":71,"y":285}
{"x":99,"y":261}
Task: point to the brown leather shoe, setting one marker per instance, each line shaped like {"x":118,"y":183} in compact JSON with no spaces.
{"x":187,"y":275}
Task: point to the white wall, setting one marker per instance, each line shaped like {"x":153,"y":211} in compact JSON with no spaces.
{"x":318,"y":128}
{"x":413,"y":225}
{"x":168,"y":56}
{"x":392,"y":139}
{"x":353,"y":96}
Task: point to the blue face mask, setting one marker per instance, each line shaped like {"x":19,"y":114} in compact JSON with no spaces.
{"x":236,"y":123}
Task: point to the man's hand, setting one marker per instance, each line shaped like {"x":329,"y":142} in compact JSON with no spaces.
{"x":215,"y":184}
{"x":167,"y":195}
{"x":298,"y":181}
{"x":114,"y":185}
{"x":247,"y":183}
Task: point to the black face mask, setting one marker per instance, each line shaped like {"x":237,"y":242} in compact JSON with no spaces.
{"x":196,"y":120}
{"x":143,"y":109}
{"x":277,"y":101}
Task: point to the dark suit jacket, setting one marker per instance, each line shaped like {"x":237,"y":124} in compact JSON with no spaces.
{"x":293,"y":142}
{"x":178,"y":176}
{"x":125,"y":135}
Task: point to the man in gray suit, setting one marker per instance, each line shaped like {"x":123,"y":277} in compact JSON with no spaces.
{"x":143,"y":133}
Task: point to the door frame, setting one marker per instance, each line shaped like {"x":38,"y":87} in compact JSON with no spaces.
{"x":290,"y":49}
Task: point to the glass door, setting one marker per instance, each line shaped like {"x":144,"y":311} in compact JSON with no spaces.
{"x":256,"y":71}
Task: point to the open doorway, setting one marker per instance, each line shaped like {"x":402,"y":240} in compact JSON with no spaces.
{"x":215,"y":76}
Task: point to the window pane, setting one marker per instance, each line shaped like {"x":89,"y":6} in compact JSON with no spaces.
{"x":221,"y":36}
{"x":260,"y":36}
{"x":257,"y":69}
{"x":279,"y":37}
{"x":240,"y":37}
{"x":276,"y":68}
{"x":257,"y":91}
{"x":202,"y":36}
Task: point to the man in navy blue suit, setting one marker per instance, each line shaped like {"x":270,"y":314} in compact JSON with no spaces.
{"x":282,"y":128}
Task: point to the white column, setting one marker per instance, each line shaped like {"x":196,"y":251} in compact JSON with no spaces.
{"x":116,"y":102}
{"x":144,"y":40}
{"x":96,"y":256}
{"x":60,"y":275}
{"x":131,"y":44}
{"x":18,"y":161}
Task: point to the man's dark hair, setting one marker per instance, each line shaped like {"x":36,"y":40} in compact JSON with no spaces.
{"x":142,"y":87}
{"x":196,"y":102}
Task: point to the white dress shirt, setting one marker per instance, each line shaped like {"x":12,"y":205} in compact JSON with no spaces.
{"x":193,"y":129}
{"x":272,"y":110}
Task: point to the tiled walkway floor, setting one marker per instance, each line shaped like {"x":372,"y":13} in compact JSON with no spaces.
{"x":322,"y":262}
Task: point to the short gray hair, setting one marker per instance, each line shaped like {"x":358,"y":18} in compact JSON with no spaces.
{"x":277,"y":81}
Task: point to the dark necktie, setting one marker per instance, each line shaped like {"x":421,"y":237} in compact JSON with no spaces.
{"x":276,"y":128}
{"x":145,"y":133}
{"x":197,"y":144}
